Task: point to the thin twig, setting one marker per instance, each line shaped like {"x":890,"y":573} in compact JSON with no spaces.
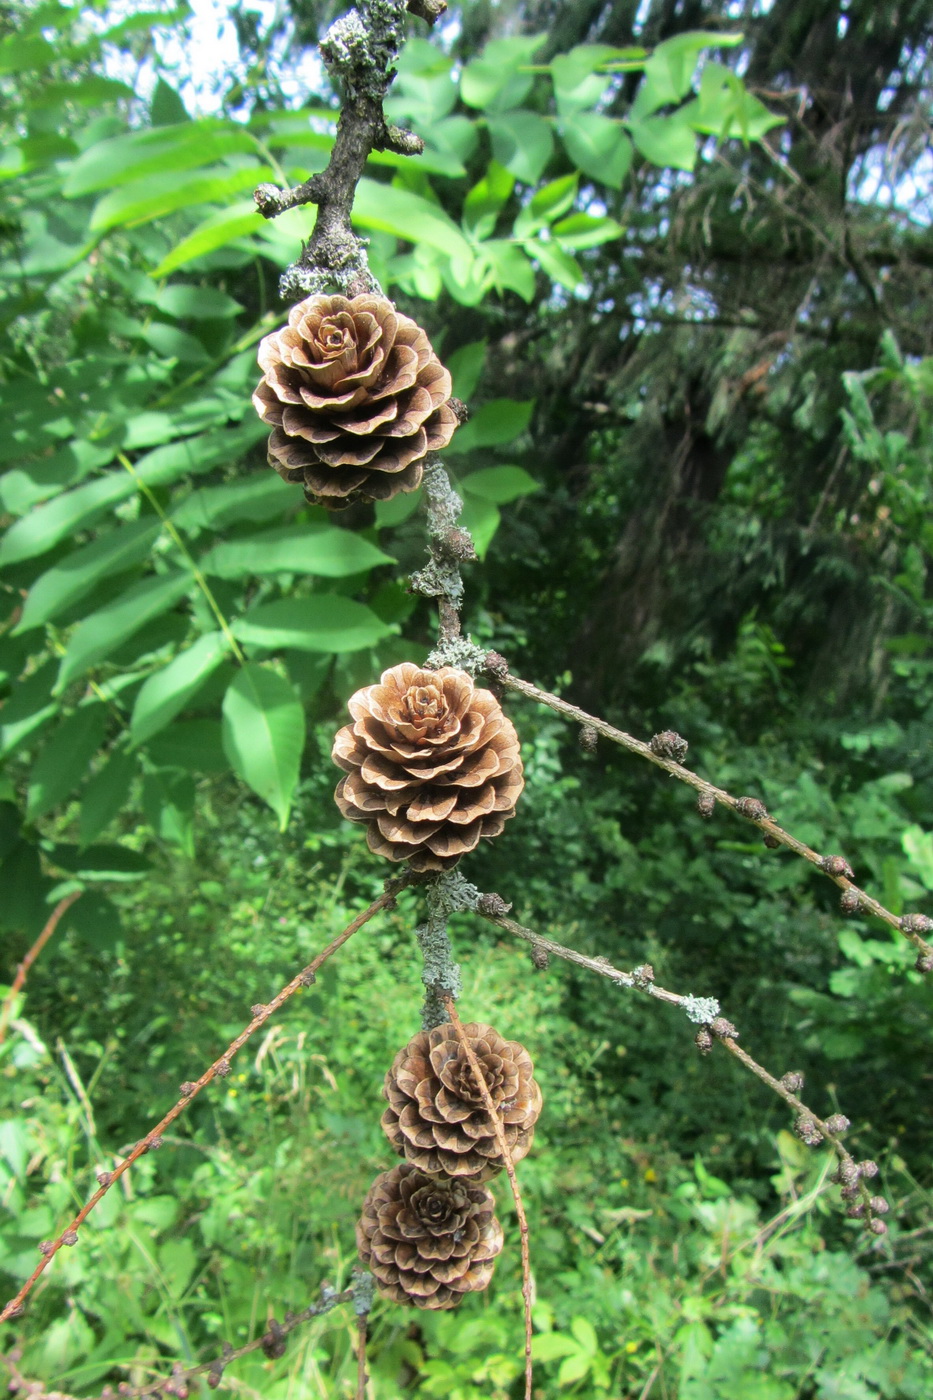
{"x":499,"y":1131}
{"x":61,"y":908}
{"x":272,"y":1343}
{"x":362,"y":1324}
{"x":190,"y":1090}
{"x":706,"y":1013}
{"x":752,"y":810}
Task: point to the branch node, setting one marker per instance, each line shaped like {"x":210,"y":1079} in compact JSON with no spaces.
{"x":849,"y":901}
{"x":836,"y":866}
{"x":70,"y":1237}
{"x":493,"y":904}
{"x":669,"y":744}
{"x":706,"y":804}
{"x":752,"y":808}
{"x":721,"y":1028}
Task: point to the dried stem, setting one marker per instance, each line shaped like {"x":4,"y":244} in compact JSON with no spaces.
{"x":190,"y":1091}
{"x":359,"y":52}
{"x":272,"y":1343}
{"x":362,"y":1324}
{"x":61,"y":908}
{"x":497,"y":1128}
{"x":835,"y":867}
{"x":705,"y":1012}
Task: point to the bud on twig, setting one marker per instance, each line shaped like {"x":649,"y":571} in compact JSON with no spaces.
{"x":771,"y":841}
{"x":877,"y":1227}
{"x":669,"y":744}
{"x":493,"y":904}
{"x":807,"y":1131}
{"x":868,"y":1169}
{"x":496,"y":665}
{"x":916,"y":923}
{"x":275,"y":1341}
{"x":723,"y":1028}
{"x":924,"y":963}
{"x":849,"y":901}
{"x":703,"y":1041}
{"x":539,"y":957}
{"x":589,"y":738}
{"x":838,"y":1123}
{"x":103,"y":1178}
{"x":257,"y":1008}
{"x":837,"y":865}
{"x":223,"y":1068}
{"x":188,"y":1088}
{"x":879,"y":1205}
{"x":752,"y":808}
{"x":70,"y":1237}
{"x":792,"y":1081}
{"x":706,"y":804}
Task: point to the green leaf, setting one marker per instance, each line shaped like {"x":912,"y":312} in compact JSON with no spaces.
{"x":24,"y":487}
{"x":559,"y":265}
{"x":196,"y":303}
{"x":500,"y":484}
{"x":65,"y":759}
{"x":586,"y":231}
{"x":509,"y":268}
{"x":577,"y":85}
{"x":397,"y":508}
{"x":407,"y":215}
{"x":598,"y":146}
{"x":216,"y":231}
{"x":585,"y":1333}
{"x":79,"y":509}
{"x":499,"y":421}
{"x":105,"y":794}
{"x":157,"y":195}
{"x":669,"y":71}
{"x":24,"y":55}
{"x":668,"y":142}
{"x":44,"y":526}
{"x":154,"y":151}
{"x":492,"y":81}
{"x":166,"y":106}
{"x":545,"y":205}
{"x":523,"y":142}
{"x":30,"y":705}
{"x":481,"y":518}
{"x":105,"y":863}
{"x":264,"y":735}
{"x":67,"y":582}
{"x":574,"y":1368}
{"x":167,"y":692}
{"x":168,"y":802}
{"x":466,"y":366}
{"x":195,"y":745}
{"x":321,"y":622}
{"x":256,"y":498}
{"x":330,"y":553}
{"x":550,"y":1346}
{"x":486,"y":199}
{"x":103,"y":631}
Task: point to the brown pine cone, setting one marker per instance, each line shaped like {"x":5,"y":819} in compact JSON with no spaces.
{"x":428,"y":1241}
{"x":357,"y":397}
{"x":432,"y":765}
{"x":436,"y":1116}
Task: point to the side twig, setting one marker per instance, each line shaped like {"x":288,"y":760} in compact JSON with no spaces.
{"x":713,"y":1026}
{"x":497,"y":1128}
{"x":191,"y":1089}
{"x":660,"y":752}
{"x":272,"y":1342}
{"x":54,"y":919}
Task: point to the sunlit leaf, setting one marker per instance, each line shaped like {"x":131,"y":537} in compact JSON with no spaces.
{"x":264,"y":734}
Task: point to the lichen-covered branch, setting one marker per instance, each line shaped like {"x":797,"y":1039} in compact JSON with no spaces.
{"x":359,"y":52}
{"x":447,"y":893}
